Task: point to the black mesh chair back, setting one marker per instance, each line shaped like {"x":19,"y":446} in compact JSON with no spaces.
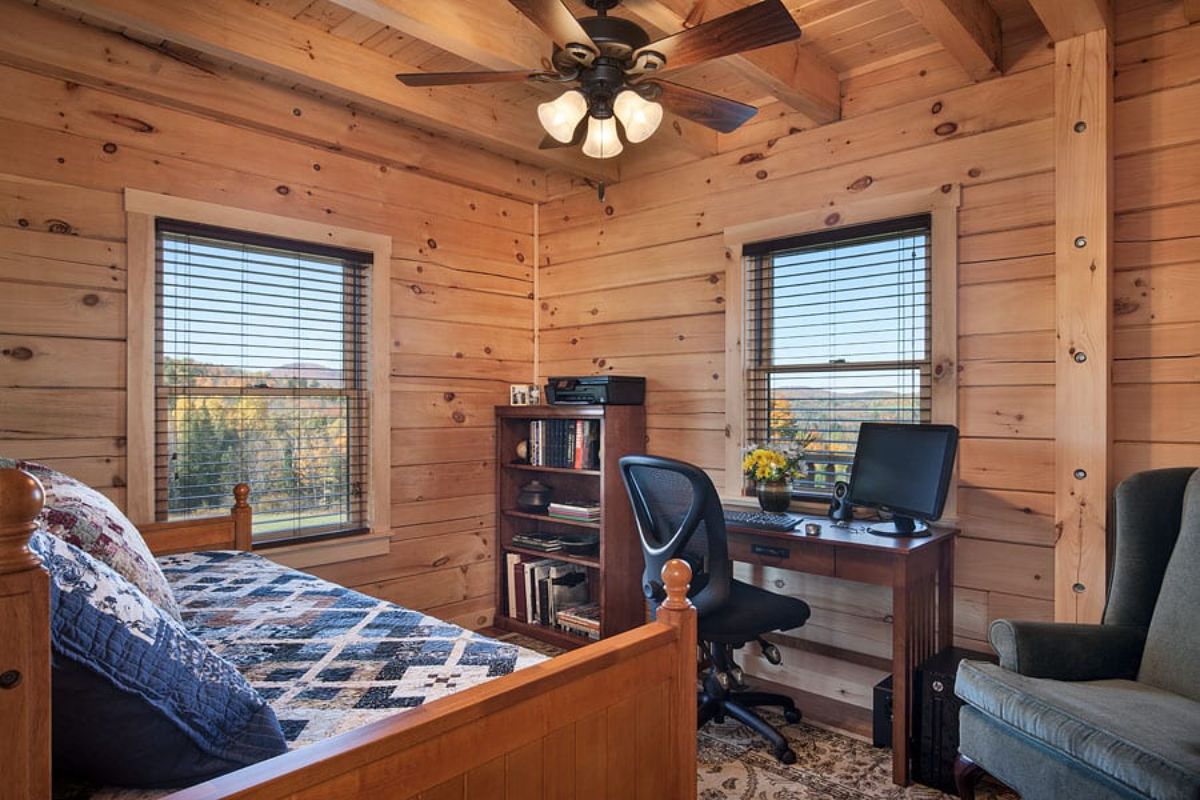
{"x":679,"y":515}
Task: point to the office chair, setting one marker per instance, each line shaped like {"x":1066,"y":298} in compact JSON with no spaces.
{"x":679,"y":515}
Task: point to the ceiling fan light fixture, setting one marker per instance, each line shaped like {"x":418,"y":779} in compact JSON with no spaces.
{"x":561,"y":117}
{"x":640,"y":117}
{"x":602,"y":140}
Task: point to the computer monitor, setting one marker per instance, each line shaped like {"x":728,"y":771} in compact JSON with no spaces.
{"x":905,"y":470}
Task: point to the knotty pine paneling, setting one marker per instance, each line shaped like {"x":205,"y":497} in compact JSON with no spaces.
{"x":1156,"y":373}
{"x":462,"y":289}
{"x":991,"y":138}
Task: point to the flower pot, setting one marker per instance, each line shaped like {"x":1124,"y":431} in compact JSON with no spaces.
{"x":774,"y":496}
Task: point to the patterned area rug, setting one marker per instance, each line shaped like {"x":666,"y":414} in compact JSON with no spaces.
{"x":734,"y":764}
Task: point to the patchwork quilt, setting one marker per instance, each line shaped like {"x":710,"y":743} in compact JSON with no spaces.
{"x":328,"y":659}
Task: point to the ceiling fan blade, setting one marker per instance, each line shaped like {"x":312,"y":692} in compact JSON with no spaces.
{"x":550,"y":143}
{"x":719,"y":113}
{"x":557,"y":21}
{"x":452,"y":78}
{"x":750,"y":28}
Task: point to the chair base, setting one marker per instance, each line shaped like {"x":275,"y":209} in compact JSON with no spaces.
{"x":739,"y":704}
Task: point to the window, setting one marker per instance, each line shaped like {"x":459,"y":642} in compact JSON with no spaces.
{"x":260,"y":376}
{"x":838,"y":333}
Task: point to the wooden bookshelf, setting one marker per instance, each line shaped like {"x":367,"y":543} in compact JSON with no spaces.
{"x":615,"y":572}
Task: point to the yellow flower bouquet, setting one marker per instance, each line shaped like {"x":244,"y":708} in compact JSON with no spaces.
{"x":767,"y":464}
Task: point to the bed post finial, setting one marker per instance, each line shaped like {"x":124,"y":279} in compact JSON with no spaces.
{"x":25,"y":631}
{"x":676,"y":575}
{"x":21,"y":500}
{"x":242,"y":517}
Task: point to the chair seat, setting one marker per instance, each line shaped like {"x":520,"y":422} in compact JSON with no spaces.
{"x":1145,"y":738}
{"x":750,"y":612}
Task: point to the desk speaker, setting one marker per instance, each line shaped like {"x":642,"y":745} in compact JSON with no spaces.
{"x":840,"y":509}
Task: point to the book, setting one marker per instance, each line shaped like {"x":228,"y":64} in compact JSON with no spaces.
{"x":510,"y":562}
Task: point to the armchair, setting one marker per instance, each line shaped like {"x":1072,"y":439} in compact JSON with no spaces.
{"x":1109,"y":710}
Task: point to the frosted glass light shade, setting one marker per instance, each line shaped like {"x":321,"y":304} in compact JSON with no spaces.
{"x":602,"y":140}
{"x":561,"y":117}
{"x":640,"y":117}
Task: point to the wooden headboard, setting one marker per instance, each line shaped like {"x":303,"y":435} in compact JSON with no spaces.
{"x":227,"y":532}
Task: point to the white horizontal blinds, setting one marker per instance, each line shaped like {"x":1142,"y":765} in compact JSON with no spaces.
{"x":839,"y":330}
{"x":261,"y":378}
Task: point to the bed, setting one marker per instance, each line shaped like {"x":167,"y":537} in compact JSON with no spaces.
{"x":614,"y":719}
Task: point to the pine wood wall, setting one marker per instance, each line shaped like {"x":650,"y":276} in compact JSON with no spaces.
{"x":461,"y":280}
{"x":635,"y":285}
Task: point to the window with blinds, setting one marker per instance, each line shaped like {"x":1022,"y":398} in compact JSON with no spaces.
{"x":838,"y":334}
{"x":261,"y":378}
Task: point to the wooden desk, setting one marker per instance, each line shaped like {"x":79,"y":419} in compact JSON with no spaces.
{"x":919,"y":570}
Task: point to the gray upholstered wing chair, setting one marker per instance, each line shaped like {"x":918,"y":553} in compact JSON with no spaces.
{"x":1110,"y":710}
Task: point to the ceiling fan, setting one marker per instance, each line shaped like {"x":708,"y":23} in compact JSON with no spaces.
{"x":614,"y":64}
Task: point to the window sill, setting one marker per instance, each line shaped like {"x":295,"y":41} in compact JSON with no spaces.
{"x":304,"y":555}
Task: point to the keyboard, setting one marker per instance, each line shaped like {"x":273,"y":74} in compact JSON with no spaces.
{"x":761,"y":520}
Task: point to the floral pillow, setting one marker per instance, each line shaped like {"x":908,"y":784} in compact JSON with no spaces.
{"x":137,"y":700}
{"x":79,"y":514}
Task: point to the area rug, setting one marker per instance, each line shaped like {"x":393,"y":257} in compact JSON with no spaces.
{"x":734,"y":764}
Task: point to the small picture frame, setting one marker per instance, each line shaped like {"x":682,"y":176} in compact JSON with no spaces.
{"x":519,"y":395}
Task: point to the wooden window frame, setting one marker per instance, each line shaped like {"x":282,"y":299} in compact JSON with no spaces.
{"x":142,"y":210}
{"x":942,"y":206}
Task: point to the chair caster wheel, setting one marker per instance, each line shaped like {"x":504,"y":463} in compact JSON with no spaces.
{"x":792,"y":715}
{"x":786,"y":756}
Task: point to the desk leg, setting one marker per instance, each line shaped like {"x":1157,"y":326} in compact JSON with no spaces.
{"x":901,"y":670}
{"x":945,"y":596}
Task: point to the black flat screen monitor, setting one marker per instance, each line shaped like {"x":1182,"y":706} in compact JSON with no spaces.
{"x":905,"y":470}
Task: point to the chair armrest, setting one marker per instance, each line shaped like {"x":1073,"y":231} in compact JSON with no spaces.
{"x":1068,"y":652}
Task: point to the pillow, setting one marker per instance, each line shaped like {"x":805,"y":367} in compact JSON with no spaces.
{"x":137,"y":700}
{"x":77,"y":513}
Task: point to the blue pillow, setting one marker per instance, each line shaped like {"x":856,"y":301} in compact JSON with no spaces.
{"x":137,"y":700}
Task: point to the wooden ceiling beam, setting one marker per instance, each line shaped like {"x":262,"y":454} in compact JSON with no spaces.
{"x":485,"y":32}
{"x":968,"y":29}
{"x":789,"y":72}
{"x":281,"y":47}
{"x":1066,"y":19}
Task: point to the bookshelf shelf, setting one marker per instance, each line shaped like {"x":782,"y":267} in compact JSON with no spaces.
{"x":554,"y":636}
{"x":553,"y":470}
{"x":574,"y":523}
{"x":614,"y":575}
{"x":584,"y":561}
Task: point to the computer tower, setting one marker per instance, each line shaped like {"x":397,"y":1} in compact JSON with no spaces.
{"x":935,"y":717}
{"x":881,"y":713}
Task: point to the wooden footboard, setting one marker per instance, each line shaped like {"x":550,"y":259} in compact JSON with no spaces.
{"x":615,"y":719}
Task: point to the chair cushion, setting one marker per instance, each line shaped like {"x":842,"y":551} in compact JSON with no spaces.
{"x":138,"y":701}
{"x":1171,"y":658}
{"x":1143,"y":737}
{"x":750,"y":612}
{"x":77,"y":513}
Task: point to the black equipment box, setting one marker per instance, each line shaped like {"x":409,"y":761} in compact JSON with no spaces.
{"x":613,"y":390}
{"x":935,"y":717}
{"x":881,"y":714}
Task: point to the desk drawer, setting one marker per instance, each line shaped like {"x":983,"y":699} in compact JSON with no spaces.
{"x":799,"y":555}
{"x":865,"y":566}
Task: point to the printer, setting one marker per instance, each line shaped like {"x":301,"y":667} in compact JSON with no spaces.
{"x":613,"y":390}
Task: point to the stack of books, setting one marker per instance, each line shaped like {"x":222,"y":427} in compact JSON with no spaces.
{"x":576,"y":510}
{"x":546,"y":591}
{"x":565,"y":443}
{"x":583,"y":620}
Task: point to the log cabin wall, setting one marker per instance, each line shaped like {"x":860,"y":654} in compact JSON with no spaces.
{"x":636,"y":285}
{"x":85,"y":113}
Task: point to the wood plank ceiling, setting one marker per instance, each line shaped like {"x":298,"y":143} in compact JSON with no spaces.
{"x":347,"y":50}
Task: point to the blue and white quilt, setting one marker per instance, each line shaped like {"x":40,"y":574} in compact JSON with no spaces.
{"x":327,"y":659}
